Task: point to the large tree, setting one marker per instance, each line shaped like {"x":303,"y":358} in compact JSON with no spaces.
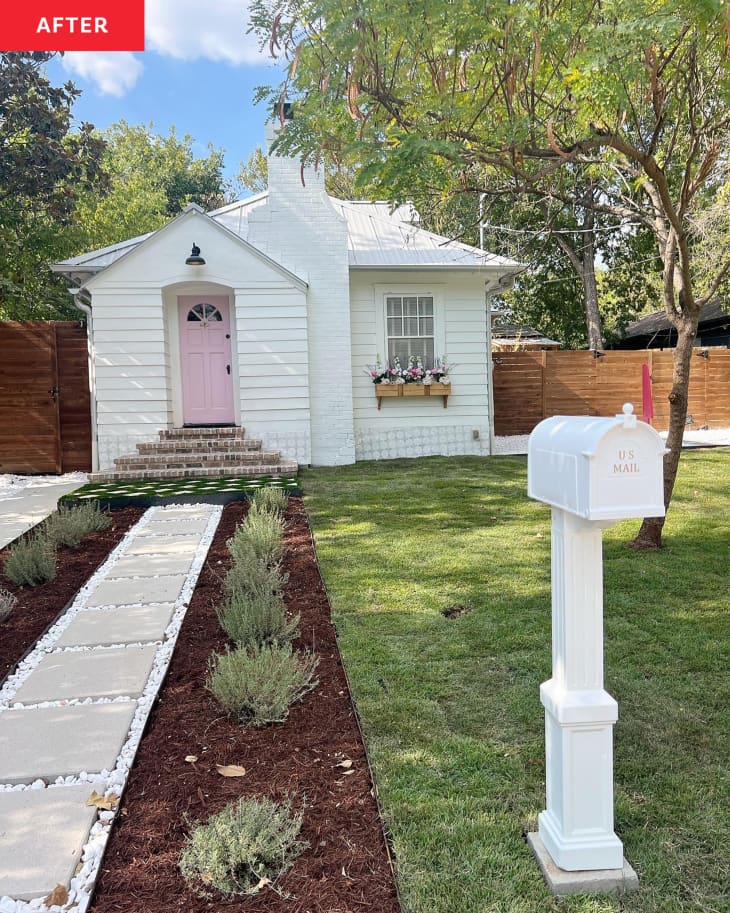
{"x":632,"y":93}
{"x":152,"y":178}
{"x":44,"y":164}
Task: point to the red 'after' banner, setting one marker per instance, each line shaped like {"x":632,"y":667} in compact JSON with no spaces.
{"x":73,"y":25}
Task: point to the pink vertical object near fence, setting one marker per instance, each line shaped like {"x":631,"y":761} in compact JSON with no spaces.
{"x":647,"y":402}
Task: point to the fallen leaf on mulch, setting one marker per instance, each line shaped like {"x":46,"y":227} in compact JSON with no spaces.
{"x":107,"y":803}
{"x":230,"y":770}
{"x":191,"y":758}
{"x":345,"y":765}
{"x":58,"y":897}
{"x":262,"y":884}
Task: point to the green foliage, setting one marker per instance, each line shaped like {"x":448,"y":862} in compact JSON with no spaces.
{"x":152,"y":178}
{"x":253,"y":174}
{"x":249,"y":844}
{"x":44,"y":165}
{"x":340,"y":180}
{"x":632,"y":284}
{"x":257,"y":619}
{"x":259,"y":537}
{"x":271,"y":500}
{"x":253,"y":577}
{"x":8,"y":601}
{"x":32,"y":560}
{"x":258,"y":685}
{"x":70,"y":525}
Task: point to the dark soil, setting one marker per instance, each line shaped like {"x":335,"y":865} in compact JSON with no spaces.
{"x":39,"y":606}
{"x":346,"y":867}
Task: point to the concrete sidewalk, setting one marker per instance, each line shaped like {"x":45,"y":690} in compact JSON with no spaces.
{"x":72,"y":715}
{"x":22,"y":509}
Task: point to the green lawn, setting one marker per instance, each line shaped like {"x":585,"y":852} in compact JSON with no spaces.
{"x":451,"y":709}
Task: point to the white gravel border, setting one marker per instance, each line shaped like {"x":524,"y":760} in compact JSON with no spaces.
{"x":113,"y":781}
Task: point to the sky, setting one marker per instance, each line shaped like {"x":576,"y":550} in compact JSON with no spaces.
{"x":198,"y":72}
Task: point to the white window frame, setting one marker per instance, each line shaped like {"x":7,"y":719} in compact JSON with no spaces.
{"x":383,"y":292}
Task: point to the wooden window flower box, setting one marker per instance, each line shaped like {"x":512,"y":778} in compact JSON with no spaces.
{"x":435,"y":389}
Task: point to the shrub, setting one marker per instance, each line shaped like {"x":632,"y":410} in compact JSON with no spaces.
{"x":270,"y":500}
{"x":259,"y":684}
{"x":250,"y":574}
{"x":70,"y":525}
{"x":257,"y":619}
{"x":32,"y":560}
{"x":239,"y":850}
{"x":260,"y":535}
{"x":7,"y":603}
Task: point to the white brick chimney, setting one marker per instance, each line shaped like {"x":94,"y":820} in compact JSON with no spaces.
{"x":301,"y":230}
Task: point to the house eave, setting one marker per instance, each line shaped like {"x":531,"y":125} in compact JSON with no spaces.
{"x":434,"y":267}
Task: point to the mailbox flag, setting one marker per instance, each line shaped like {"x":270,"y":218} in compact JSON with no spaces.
{"x":647,"y":402}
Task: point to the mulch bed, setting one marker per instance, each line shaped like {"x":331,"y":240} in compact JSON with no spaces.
{"x":39,"y":606}
{"x":346,"y":867}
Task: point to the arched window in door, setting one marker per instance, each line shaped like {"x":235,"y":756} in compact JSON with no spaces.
{"x":204,"y":312}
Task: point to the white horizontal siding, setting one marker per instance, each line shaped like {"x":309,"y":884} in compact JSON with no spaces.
{"x":130,"y":349}
{"x":273,"y":369}
{"x":270,"y":369}
{"x":463,"y":328}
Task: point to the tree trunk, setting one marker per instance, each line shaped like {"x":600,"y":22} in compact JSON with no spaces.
{"x":590,"y":289}
{"x":650,"y":534}
{"x":590,"y":298}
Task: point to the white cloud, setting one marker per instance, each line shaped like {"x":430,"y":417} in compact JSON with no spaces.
{"x":184,"y":29}
{"x":190,"y":29}
{"x":113,"y":72}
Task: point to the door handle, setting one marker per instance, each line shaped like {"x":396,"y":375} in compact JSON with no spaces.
{"x":53,"y":393}
{"x":228,"y":369}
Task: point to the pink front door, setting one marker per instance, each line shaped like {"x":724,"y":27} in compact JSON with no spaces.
{"x":205,"y":358}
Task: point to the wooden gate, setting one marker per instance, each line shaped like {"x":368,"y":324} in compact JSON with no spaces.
{"x":45,"y":406}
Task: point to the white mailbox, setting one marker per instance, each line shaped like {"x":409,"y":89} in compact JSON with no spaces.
{"x":592,"y":471}
{"x":597,"y":468}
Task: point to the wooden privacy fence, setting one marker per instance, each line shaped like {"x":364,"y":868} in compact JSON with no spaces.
{"x":45,"y":405}
{"x":531,"y":386}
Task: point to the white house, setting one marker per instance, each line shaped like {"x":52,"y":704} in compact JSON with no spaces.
{"x":297,"y":295}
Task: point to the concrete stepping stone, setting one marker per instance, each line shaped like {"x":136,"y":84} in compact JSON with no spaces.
{"x":124,"y":625}
{"x":50,"y":742}
{"x":130,"y":591}
{"x":88,"y":673}
{"x":42,"y":835}
{"x":183,"y":512}
{"x":152,"y":565}
{"x":164,"y":545}
{"x":163,"y":527}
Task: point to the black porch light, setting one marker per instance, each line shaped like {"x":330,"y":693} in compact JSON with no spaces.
{"x":195,"y":259}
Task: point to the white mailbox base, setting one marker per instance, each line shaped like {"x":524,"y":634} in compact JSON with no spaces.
{"x":576,"y":829}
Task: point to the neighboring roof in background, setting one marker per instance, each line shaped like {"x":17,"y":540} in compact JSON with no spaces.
{"x":513,"y":334}
{"x":657,"y":322}
{"x":377,"y":237}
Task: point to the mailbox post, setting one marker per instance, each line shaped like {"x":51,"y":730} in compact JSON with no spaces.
{"x":593,"y":472}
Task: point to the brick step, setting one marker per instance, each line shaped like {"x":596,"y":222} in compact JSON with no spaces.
{"x":284,"y":468}
{"x":188,"y":460}
{"x":191,"y":445}
{"x":180,"y":434}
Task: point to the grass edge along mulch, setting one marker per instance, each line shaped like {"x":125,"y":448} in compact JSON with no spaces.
{"x":346,"y":866}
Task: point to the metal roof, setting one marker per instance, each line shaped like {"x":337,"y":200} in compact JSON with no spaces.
{"x":377,"y":238}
